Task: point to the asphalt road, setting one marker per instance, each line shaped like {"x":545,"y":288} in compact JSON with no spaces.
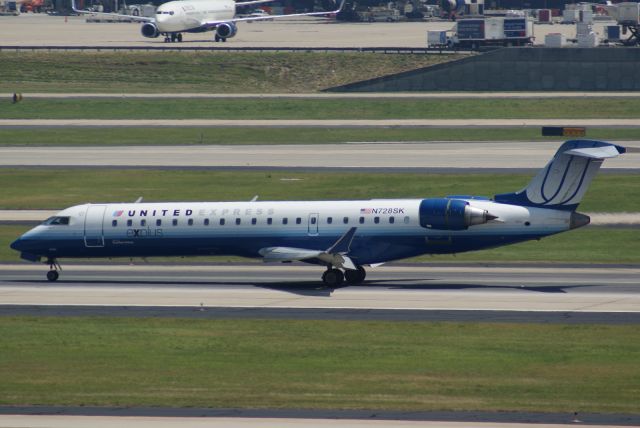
{"x":412,"y":289}
{"x":511,"y":155}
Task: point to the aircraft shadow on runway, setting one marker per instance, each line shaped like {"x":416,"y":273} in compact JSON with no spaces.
{"x":317,"y":289}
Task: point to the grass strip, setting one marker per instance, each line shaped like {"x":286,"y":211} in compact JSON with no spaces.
{"x":319,"y":364}
{"x":590,"y":245}
{"x":236,"y":136}
{"x":197,"y":72}
{"x":552,"y":108}
{"x":41,"y":188}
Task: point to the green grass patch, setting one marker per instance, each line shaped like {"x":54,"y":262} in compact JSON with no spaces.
{"x":590,"y":245}
{"x":130,"y":108}
{"x":118,"y":136}
{"x":319,"y":364}
{"x":40,"y":188}
{"x":196,"y":72}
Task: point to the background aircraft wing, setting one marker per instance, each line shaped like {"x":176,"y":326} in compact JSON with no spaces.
{"x":263,"y":18}
{"x":131,"y":17}
{"x":248,"y":3}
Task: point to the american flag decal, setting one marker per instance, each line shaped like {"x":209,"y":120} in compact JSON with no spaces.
{"x":365,"y":210}
{"x":117,"y":213}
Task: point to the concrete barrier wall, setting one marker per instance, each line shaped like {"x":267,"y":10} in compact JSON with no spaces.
{"x":519,"y":69}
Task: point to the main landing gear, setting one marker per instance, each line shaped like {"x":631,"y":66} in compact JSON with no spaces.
{"x":333,"y":277}
{"x":54,"y":266}
{"x":173,"y":37}
{"x":220,"y":39}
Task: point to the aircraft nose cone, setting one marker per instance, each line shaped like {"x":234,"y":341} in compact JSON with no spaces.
{"x":17,"y":244}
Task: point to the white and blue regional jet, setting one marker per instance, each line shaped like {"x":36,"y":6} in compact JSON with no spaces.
{"x":343,"y":236}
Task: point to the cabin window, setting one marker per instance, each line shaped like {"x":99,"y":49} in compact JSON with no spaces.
{"x":285,"y":220}
{"x":129,"y":223}
{"x":221,"y":222}
{"x":206,"y":222}
{"x":361,"y":220}
{"x":238,"y":221}
{"x":174,"y":222}
{"x":114,"y":223}
{"x":392,"y":220}
{"x":143,"y":222}
{"x":158,"y":222}
{"x":269,"y":220}
{"x":299,"y":220}
{"x":190,"y":222}
{"x":406,"y":220}
{"x":376,"y":220}
{"x":254,"y":220}
{"x":329,"y":220}
{"x":313,"y":220}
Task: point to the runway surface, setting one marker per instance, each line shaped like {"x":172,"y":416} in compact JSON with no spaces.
{"x":396,"y":288}
{"x":39,"y":29}
{"x":30,"y":421}
{"x":361,"y":155}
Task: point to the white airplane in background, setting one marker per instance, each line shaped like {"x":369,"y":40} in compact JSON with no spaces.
{"x":196,"y":16}
{"x":343,"y":236}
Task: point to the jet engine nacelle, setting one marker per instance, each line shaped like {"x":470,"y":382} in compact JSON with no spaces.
{"x":451,"y":214}
{"x":150,"y":29}
{"x":226,"y":30}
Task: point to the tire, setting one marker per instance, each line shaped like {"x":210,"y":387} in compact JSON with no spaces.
{"x":52,"y":275}
{"x":333,"y":278}
{"x":354,"y":277}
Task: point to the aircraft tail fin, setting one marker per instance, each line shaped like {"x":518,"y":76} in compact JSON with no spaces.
{"x":564,"y":181}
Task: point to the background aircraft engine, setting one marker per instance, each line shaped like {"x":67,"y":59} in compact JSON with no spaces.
{"x":451,"y":214}
{"x":150,"y":30}
{"x":226,"y":30}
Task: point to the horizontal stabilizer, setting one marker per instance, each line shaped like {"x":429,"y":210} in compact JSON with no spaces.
{"x":595,"y":152}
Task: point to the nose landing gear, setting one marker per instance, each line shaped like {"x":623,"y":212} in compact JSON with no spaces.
{"x":54,"y":266}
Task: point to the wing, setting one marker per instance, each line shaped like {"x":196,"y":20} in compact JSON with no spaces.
{"x":336,"y":255}
{"x":131,"y":17}
{"x":248,"y":3}
{"x":262,"y":18}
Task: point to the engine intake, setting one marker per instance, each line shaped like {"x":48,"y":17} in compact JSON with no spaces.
{"x":451,"y":214}
{"x":226,"y":30}
{"x":149,"y":30}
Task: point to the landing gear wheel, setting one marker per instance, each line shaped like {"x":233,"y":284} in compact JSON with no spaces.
{"x":179,"y":37}
{"x":217,"y":38}
{"x":52,"y":275}
{"x":174,"y":37}
{"x":167,"y":39}
{"x":355,"y":276}
{"x":333,"y":277}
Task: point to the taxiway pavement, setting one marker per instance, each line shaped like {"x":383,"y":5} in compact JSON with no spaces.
{"x":443,"y":155}
{"x":40,"y":29}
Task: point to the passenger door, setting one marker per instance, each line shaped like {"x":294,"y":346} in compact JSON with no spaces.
{"x":93,"y":226}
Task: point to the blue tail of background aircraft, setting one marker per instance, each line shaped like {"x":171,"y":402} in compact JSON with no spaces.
{"x":564,"y":181}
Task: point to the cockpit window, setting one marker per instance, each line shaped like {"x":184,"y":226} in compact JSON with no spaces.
{"x":56,"y":221}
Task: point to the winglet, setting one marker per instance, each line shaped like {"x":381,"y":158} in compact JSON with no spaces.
{"x":343,"y":245}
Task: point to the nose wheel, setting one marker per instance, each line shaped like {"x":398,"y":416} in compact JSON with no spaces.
{"x":54,"y":266}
